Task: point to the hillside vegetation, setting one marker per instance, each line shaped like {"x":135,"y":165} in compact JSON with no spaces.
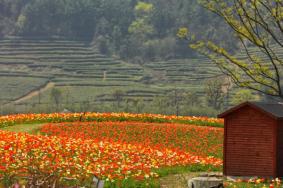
{"x":139,"y":31}
{"x":85,"y":76}
{"x":88,"y":80}
{"x":114,"y":55}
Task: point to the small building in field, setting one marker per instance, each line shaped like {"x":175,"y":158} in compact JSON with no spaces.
{"x":253,"y":140}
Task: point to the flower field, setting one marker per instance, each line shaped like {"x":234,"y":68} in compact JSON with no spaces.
{"x":116,"y":149}
{"x":255,"y":183}
{"x":199,"y":141}
{"x":10,"y":120}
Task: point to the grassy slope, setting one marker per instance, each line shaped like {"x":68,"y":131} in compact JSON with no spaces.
{"x":25,"y":128}
{"x":83,"y":74}
{"x":80,"y":70}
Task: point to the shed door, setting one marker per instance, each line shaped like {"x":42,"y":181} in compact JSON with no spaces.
{"x":249,"y":144}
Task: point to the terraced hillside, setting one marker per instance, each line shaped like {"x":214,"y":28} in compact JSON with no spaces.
{"x":30,"y":68}
{"x":189,"y":71}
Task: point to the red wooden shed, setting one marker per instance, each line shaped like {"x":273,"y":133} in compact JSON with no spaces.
{"x":253,"y":140}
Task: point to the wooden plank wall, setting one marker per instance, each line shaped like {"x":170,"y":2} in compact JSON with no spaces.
{"x":280,"y":149}
{"x":249,"y":143}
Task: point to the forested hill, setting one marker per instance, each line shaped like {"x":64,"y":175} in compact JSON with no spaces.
{"x":139,"y":31}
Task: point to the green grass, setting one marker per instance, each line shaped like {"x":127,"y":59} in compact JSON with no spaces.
{"x":185,"y":169}
{"x":13,"y":87}
{"x":25,"y":128}
{"x":152,"y":182}
{"x":164,"y":172}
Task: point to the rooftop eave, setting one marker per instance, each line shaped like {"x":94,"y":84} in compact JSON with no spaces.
{"x":231,"y":110}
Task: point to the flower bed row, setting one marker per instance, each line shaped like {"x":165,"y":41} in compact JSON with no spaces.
{"x":86,"y":117}
{"x":23,"y":155}
{"x":200,"y":141}
{"x":255,"y":183}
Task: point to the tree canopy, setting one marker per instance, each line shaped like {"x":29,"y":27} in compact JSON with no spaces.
{"x":133,"y":29}
{"x":257,"y":26}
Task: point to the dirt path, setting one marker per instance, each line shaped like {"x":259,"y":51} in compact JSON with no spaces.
{"x":32,"y":94}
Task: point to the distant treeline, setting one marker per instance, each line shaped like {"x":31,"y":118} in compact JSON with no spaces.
{"x":138,"y":31}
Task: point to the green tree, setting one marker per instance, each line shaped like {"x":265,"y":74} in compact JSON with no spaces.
{"x":192,"y":99}
{"x":215,"y":94}
{"x":257,"y":25}
{"x":133,"y":28}
{"x":70,"y":18}
{"x":9,"y":12}
{"x":103,"y":45}
{"x":164,"y":17}
{"x":243,"y":95}
{"x":139,"y":104}
{"x":141,"y":26}
{"x":56,"y":97}
{"x":141,"y":30}
{"x":175,"y":99}
{"x":118,"y":96}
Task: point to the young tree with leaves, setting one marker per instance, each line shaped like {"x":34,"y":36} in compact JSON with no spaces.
{"x":243,"y":95}
{"x":215,"y":93}
{"x":258,"y":26}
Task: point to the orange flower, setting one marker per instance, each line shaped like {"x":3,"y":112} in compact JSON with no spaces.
{"x":81,"y":158}
{"x":71,"y":117}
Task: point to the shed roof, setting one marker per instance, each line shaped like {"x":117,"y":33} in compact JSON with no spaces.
{"x":273,"y":109}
